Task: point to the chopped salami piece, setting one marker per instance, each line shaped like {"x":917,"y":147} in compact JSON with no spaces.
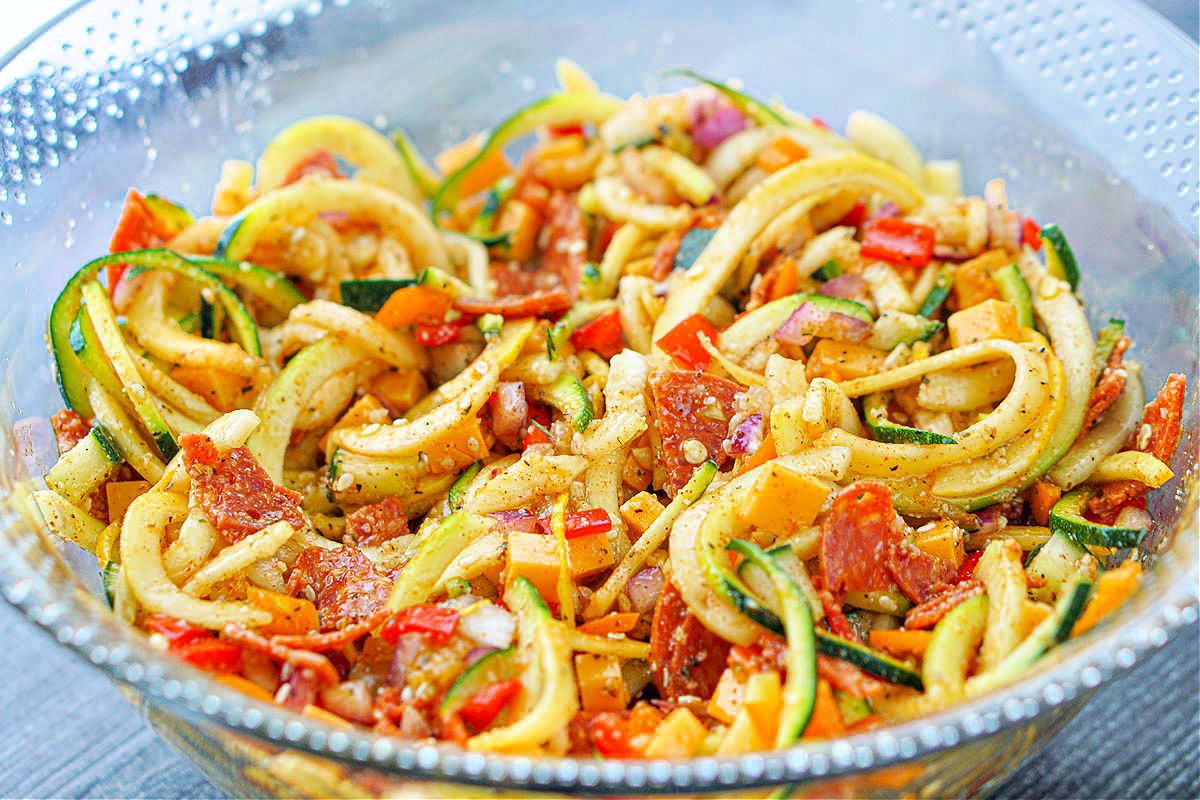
{"x":70,"y":428}
{"x":318,"y":162}
{"x":1108,"y":386}
{"x":839,"y":624}
{"x":235,"y":491}
{"x":857,"y":537}
{"x":664,"y":255}
{"x":377,"y":523}
{"x":320,"y":666}
{"x":845,"y":677}
{"x":686,"y":658}
{"x":344,"y":584}
{"x":768,"y":653}
{"x":928,"y":613}
{"x":565,"y":250}
{"x":693,"y":411}
{"x":529,"y":305}
{"x":917,"y":573}
{"x":1164,"y":417}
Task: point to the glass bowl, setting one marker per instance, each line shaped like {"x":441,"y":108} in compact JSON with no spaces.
{"x":1088,"y":109}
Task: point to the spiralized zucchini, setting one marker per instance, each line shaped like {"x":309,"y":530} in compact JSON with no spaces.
{"x":518,"y":441}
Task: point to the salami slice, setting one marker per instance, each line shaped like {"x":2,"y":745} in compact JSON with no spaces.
{"x":693,"y":411}
{"x":236,"y":493}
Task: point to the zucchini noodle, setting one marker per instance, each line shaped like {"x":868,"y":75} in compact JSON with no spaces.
{"x":531,"y":444}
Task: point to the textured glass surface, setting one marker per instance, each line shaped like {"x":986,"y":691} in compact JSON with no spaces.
{"x":1087,"y":109}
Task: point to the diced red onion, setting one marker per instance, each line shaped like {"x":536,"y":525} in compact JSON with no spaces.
{"x":413,"y":725}
{"x":489,"y":625}
{"x":747,"y":436}
{"x":850,"y":286}
{"x":1133,"y":517}
{"x":952,"y":252}
{"x":644,"y":588}
{"x":886,"y":211}
{"x":712,"y":130}
{"x":349,"y":699}
{"x":408,"y":648}
{"x":521,"y":521}
{"x":509,"y":412}
{"x":811,"y":320}
{"x":302,"y":688}
{"x":991,"y":521}
{"x":476,"y":653}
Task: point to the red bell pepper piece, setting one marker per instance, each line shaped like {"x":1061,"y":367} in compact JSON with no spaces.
{"x":899,"y":242}
{"x":441,"y":333}
{"x":1030,"y":231}
{"x":211,"y":654}
{"x":855,"y":216}
{"x":569,"y":129}
{"x":581,"y":523}
{"x":535,"y":435}
{"x":610,"y":735}
{"x":967,"y":570}
{"x":137,"y":228}
{"x":486,"y":704}
{"x":603,"y":334}
{"x":175,"y":630}
{"x":822,"y":124}
{"x":434,"y":621}
{"x":682,"y":342}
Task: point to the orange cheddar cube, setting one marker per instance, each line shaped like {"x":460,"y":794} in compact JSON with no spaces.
{"x":601,"y":685}
{"x":462,"y":446}
{"x":784,"y":501}
{"x":532,"y":556}
{"x":840,"y":360}
{"x":121,"y":493}
{"x":727,"y":697}
{"x":222,"y":389}
{"x":289,"y":615}
{"x":639,"y":513}
{"x":991,"y":319}
{"x":942,"y":539}
{"x":399,"y":390}
{"x":973,"y":281}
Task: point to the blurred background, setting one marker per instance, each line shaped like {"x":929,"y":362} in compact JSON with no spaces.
{"x":65,"y":732}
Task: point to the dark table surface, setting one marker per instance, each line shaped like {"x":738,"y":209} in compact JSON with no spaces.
{"x":66,"y":732}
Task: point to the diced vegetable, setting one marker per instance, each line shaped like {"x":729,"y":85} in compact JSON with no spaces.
{"x":1067,"y":518}
{"x":1106,"y":340}
{"x":898,"y":242}
{"x":1055,"y":564}
{"x":1015,"y":292}
{"x":991,"y":319}
{"x":434,"y":335}
{"x":779,"y":153}
{"x":826,"y":721}
{"x":483,"y":173}
{"x":973,"y":280}
{"x":901,"y":642}
{"x":520,"y":223}
{"x":616,"y":622}
{"x":603,"y":335}
{"x":1060,"y":259}
{"x":783,"y":501}
{"x":682,"y":342}
{"x":762,"y":702}
{"x":1112,"y":589}
{"x":582,"y":523}
{"x":434,"y":621}
{"x":414,"y":304}
{"x":691,"y":246}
